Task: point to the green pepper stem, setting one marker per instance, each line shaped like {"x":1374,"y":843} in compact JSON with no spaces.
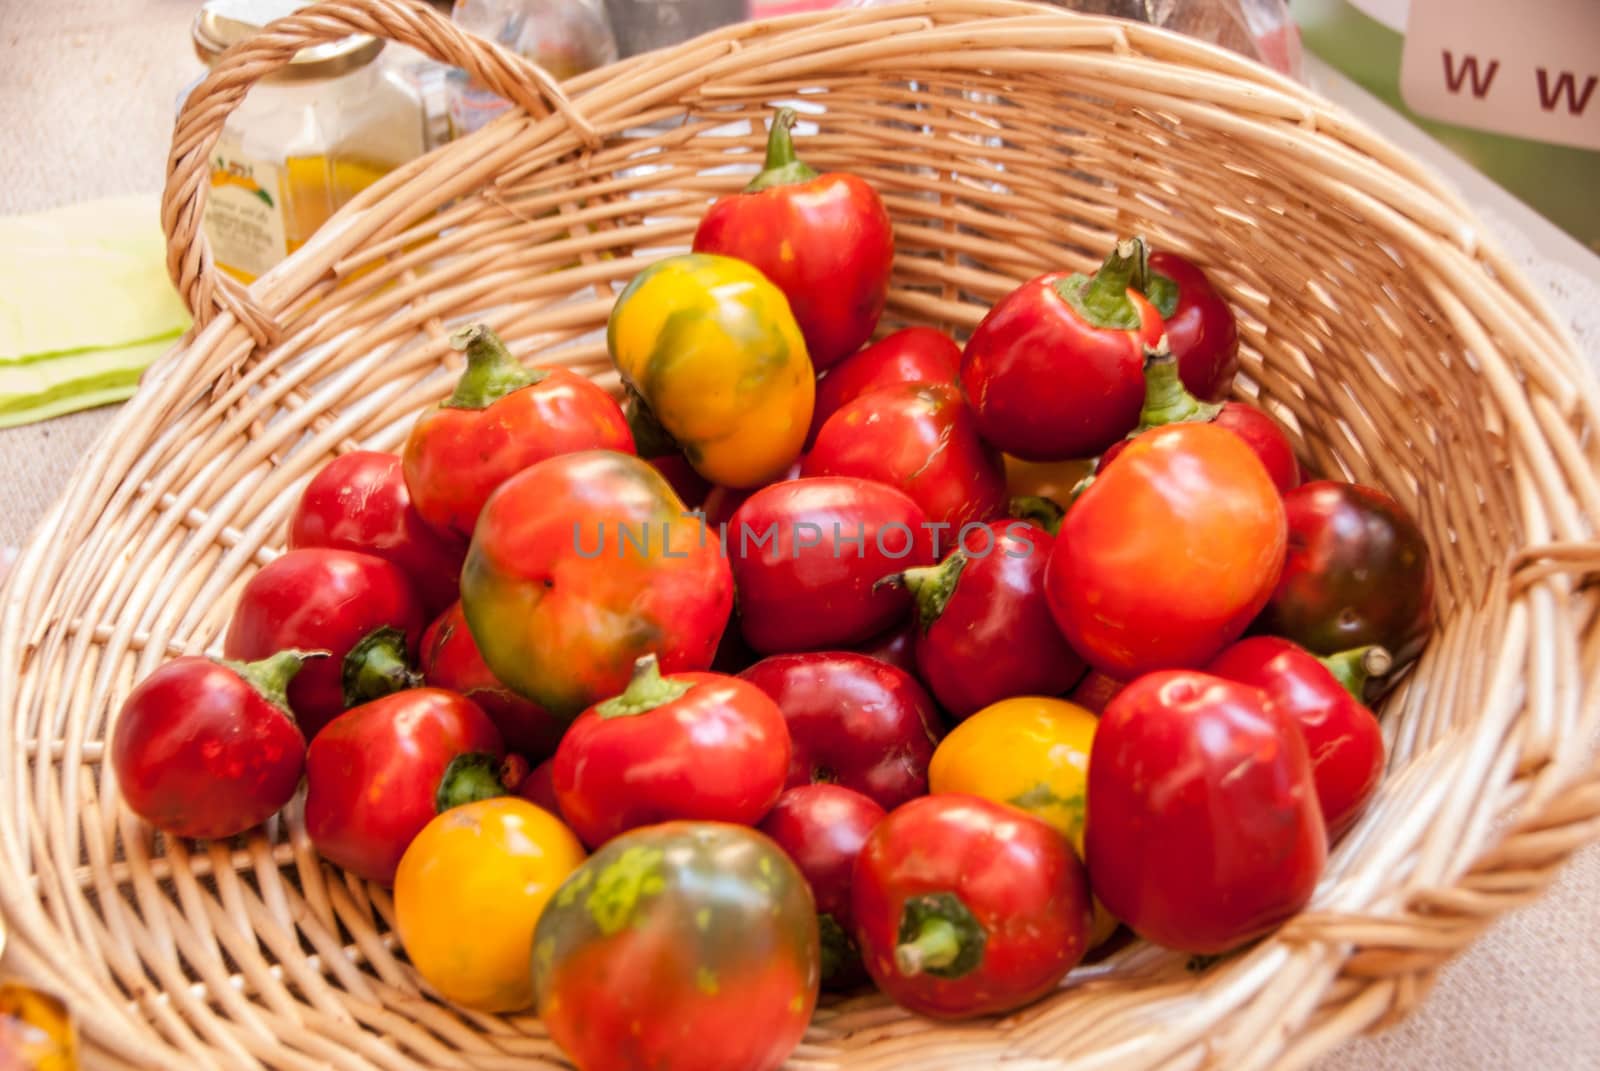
{"x":839,"y":952}
{"x":937,"y":944}
{"x":1162,"y":292}
{"x":1080,"y":487}
{"x":782,"y":167}
{"x":270,"y":676}
{"x":469,"y":778}
{"x":1166,"y":399}
{"x":491,"y":374}
{"x":645,"y":692}
{"x":1355,"y":667}
{"x":931,"y":586}
{"x":1103,"y":300}
{"x":1045,"y":512}
{"x":376,"y":667}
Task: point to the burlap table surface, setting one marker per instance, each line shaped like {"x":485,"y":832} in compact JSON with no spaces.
{"x":87,"y":88}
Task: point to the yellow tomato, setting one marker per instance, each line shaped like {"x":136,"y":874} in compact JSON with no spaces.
{"x":469,"y":892}
{"x":1045,"y":479}
{"x":1032,"y":753}
{"x":710,"y":346}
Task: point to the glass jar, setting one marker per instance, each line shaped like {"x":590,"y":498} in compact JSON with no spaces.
{"x":565,"y":37}
{"x":306,"y":139}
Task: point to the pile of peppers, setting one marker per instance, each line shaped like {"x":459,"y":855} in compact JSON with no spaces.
{"x":834,"y":653}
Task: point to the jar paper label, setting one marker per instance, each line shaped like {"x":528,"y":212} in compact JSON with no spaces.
{"x":1529,"y":69}
{"x":244,"y":211}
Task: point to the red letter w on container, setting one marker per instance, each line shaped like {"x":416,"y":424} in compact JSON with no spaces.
{"x":1454,"y":76}
{"x":1549,"y":95}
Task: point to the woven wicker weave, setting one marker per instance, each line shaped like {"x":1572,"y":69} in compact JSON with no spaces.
{"x":1402,"y":348}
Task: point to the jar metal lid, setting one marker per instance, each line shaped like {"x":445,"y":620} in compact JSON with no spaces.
{"x":222,"y":23}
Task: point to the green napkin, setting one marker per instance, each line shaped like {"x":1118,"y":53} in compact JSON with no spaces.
{"x":85,"y":306}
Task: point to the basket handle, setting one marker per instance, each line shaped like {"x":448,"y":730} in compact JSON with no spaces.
{"x":204,"y":289}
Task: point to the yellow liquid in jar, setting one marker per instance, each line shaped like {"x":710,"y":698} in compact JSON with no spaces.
{"x":315,"y":187}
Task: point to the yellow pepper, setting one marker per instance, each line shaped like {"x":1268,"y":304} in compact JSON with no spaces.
{"x":710,"y":347}
{"x":1045,"y":479}
{"x":470,"y":890}
{"x":1032,"y":753}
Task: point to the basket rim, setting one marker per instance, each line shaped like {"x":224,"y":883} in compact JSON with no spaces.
{"x":1388,"y":953}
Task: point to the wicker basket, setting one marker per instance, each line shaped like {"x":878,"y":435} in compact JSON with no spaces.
{"x":1400,"y":347}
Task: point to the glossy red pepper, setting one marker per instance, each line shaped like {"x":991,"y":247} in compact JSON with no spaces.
{"x":582,"y":564}
{"x":1169,"y":553}
{"x":822,"y":828}
{"x":807,"y":556}
{"x":1204,"y":830}
{"x":721,"y":503}
{"x":358,"y":608}
{"x":501,"y":419}
{"x":854,"y":721}
{"x":1357,"y":573}
{"x":1095,"y":691}
{"x":825,"y":240}
{"x":692,"y":746}
{"x":968,"y":907}
{"x":377,"y":774}
{"x":984,"y":628}
{"x":359,"y":501}
{"x":1168,"y":402}
{"x":898,"y":647}
{"x":208,"y":749}
{"x":688,"y":484}
{"x":910,"y":355}
{"x":1342,"y":736}
{"x":538,"y":786}
{"x":1055,"y":370}
{"x":1200,"y":325}
{"x":452,"y":661}
{"x":921,"y":438}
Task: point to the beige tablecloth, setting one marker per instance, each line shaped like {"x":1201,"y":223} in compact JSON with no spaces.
{"x":87,"y":88}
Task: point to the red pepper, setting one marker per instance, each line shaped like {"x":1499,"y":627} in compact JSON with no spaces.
{"x":822,"y":828}
{"x":1357,"y":573}
{"x":452,"y":661}
{"x":985,"y":632}
{"x":689,"y":484}
{"x":358,"y":608}
{"x":1169,"y":554}
{"x":824,"y":240}
{"x":897,"y":646}
{"x":853,"y":721}
{"x":1200,"y":325}
{"x":967,"y":907}
{"x":359,"y":501}
{"x":379,"y":773}
{"x":580,"y":565}
{"x":1055,"y":370}
{"x":910,"y":355}
{"x":209,"y":749}
{"x":1321,"y":694}
{"x":1167,"y":401}
{"x":921,"y":438}
{"x":807,"y":556}
{"x":1204,"y":830}
{"x":501,"y":419}
{"x":721,"y":503}
{"x":1095,"y":692}
{"x":539,"y":787}
{"x":693,"y":746}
